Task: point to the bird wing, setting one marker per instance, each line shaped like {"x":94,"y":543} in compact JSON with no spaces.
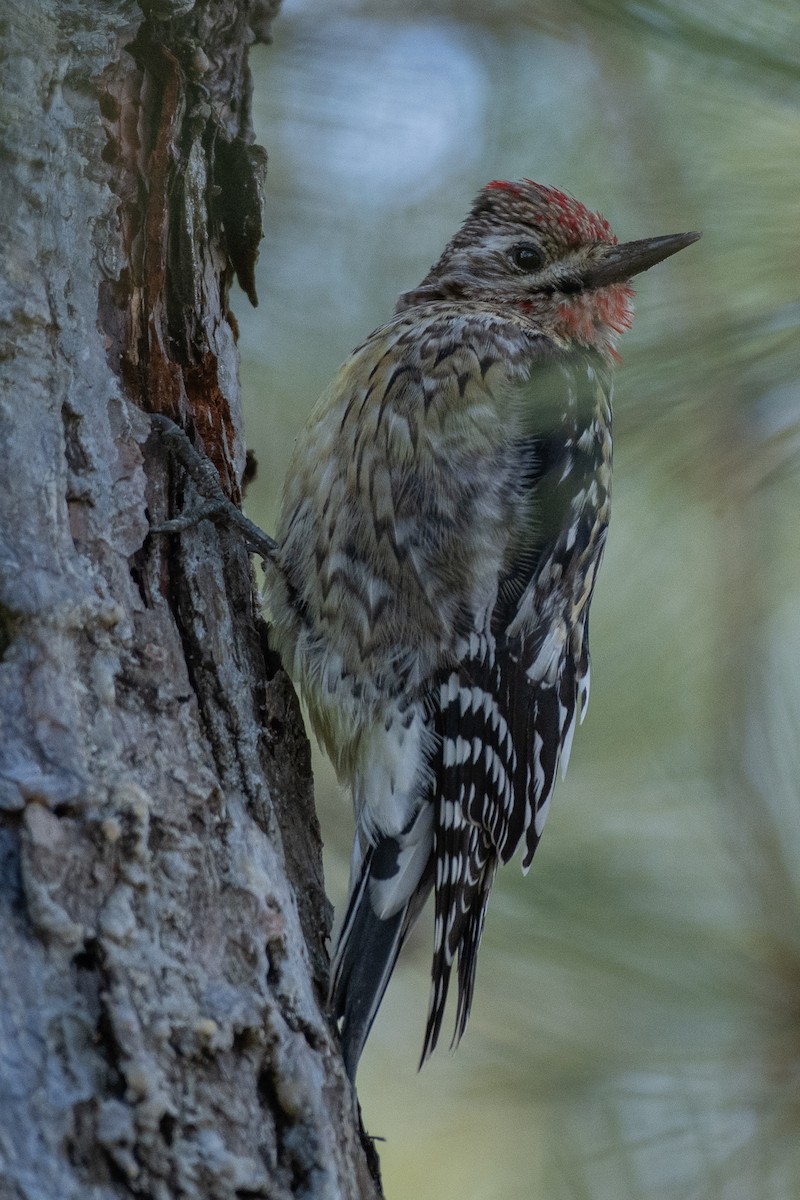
{"x":505,"y":713}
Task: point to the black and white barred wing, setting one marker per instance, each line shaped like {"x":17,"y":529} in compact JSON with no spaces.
{"x":505,"y":718}
{"x":506,"y":713}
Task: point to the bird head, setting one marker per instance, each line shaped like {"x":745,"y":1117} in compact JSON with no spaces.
{"x":548,"y":257}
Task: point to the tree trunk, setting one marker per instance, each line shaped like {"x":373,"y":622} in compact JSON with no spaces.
{"x":162,"y":935}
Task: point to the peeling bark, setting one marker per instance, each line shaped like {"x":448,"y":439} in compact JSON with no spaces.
{"x":162,"y":937}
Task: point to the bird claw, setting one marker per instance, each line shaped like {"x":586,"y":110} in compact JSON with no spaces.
{"x":209,"y":510}
{"x":213,"y":505}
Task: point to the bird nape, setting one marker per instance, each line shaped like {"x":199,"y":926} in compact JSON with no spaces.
{"x":443,"y":521}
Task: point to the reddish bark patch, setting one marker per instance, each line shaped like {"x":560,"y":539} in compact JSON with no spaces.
{"x":175,"y":236}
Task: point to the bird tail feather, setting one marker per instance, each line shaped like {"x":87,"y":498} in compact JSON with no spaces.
{"x":387,"y":895}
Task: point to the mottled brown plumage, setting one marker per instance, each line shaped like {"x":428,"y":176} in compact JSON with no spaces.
{"x":443,"y":521}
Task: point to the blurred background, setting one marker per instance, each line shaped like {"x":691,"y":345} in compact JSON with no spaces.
{"x":636,"y":1028}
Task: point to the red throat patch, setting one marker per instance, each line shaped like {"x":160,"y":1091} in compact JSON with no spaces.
{"x":597,"y":317}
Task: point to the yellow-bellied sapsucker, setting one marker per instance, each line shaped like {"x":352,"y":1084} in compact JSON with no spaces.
{"x":443,"y":521}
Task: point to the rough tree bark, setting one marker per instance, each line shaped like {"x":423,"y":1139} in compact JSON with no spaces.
{"x":163,"y":923}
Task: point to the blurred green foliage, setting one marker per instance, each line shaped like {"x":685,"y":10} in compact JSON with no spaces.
{"x":636,"y":1031}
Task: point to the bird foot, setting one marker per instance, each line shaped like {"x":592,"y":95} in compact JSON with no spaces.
{"x":213,"y":504}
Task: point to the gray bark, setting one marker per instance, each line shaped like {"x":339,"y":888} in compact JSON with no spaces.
{"x":162,"y":912}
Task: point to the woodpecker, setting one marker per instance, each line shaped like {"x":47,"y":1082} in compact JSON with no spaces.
{"x":443,"y":521}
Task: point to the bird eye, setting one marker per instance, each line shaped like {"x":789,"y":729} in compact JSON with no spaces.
{"x":526,"y":256}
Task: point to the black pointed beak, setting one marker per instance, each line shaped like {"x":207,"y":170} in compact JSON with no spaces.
{"x":630,"y":258}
